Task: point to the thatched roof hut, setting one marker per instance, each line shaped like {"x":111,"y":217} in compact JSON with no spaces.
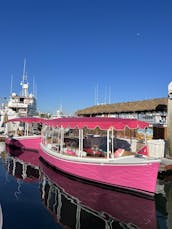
{"x":158,"y":104}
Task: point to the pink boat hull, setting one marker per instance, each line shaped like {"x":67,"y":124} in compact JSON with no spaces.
{"x":25,"y":149}
{"x":26,"y":143}
{"x":115,"y":204}
{"x":136,"y":177}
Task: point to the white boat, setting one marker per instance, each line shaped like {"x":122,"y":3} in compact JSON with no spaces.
{"x":22,"y":105}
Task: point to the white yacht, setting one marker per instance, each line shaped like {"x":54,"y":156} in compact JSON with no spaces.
{"x":22,"y":105}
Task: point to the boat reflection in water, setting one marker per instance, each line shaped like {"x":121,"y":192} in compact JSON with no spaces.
{"x":75,"y":204}
{"x":20,"y":196}
{"x":24,"y":166}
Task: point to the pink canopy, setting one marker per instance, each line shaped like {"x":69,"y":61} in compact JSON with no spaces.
{"x":92,"y":123}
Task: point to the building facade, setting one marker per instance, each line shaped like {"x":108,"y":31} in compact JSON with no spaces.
{"x":153,"y":111}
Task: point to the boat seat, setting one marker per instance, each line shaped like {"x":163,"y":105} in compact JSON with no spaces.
{"x":143,"y":151}
{"x":122,"y":152}
{"x":70,"y":152}
{"x":119,"y":152}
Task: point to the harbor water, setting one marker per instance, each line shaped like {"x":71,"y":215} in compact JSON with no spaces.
{"x":35,"y":195}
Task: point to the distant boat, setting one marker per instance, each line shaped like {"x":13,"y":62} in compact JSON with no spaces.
{"x":22,"y":105}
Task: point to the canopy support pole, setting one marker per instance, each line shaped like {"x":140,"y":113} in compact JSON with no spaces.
{"x":16,"y":129}
{"x":52,"y":136}
{"x":26,"y":129}
{"x":131,"y":139}
{"x":108,"y":143}
{"x":145,"y":136}
{"x":112,"y":140}
{"x":61,"y":139}
{"x":80,"y":142}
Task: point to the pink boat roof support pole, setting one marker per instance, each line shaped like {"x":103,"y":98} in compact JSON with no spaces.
{"x":112,"y":140}
{"x":110,"y":133}
{"x":80,"y":142}
{"x":145,"y":136}
{"x":108,"y":141}
{"x":61,"y":139}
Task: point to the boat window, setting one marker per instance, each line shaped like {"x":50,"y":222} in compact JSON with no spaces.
{"x":21,"y":99}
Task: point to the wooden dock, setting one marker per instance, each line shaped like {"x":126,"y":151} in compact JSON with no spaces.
{"x":165,"y":170}
{"x":166,"y":164}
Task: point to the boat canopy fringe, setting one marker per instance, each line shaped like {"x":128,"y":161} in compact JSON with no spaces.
{"x":103,"y":123}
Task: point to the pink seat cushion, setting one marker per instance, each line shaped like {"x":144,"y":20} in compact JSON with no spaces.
{"x":118,"y":152}
{"x":70,"y":152}
{"x":143,"y":151}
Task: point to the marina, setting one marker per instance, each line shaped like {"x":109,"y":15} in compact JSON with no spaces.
{"x":84,"y":172}
{"x":47,"y":198}
{"x":63,"y":199}
{"x":86,"y":121}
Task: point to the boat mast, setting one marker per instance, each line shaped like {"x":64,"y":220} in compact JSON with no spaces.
{"x":24,"y":83}
{"x":11,"y":88}
{"x":33,"y":86}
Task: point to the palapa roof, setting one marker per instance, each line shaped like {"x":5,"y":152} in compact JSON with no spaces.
{"x":136,"y":106}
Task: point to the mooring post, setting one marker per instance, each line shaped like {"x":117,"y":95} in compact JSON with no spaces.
{"x":169,"y":122}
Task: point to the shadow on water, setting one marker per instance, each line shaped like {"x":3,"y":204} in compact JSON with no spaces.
{"x":164,"y":203}
{"x":35,"y":195}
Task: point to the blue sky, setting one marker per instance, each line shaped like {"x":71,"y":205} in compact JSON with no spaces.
{"x":72,"y":47}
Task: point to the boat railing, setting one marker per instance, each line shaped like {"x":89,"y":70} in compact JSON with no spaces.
{"x":87,"y":152}
{"x":95,"y":146}
{"x":99,"y":160}
{"x":56,"y":147}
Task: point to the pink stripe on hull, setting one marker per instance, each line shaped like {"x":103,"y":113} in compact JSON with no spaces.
{"x":141,"y":177}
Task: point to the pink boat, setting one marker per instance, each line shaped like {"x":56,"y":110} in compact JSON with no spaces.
{"x":63,"y":145}
{"x":136,"y":172}
{"x":27,"y":141}
{"x":31,"y":143}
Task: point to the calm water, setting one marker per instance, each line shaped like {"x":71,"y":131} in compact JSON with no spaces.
{"x":34,"y":195}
